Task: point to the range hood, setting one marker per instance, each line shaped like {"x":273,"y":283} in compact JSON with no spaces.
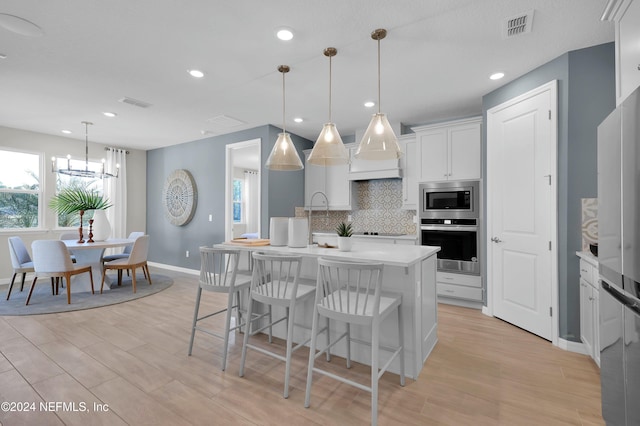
{"x":373,"y":169}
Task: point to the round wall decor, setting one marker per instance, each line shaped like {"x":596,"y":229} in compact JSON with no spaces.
{"x":180,"y":197}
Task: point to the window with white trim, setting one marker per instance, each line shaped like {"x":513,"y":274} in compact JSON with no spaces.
{"x":20,"y":189}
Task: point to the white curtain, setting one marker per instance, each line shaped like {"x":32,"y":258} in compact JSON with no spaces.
{"x":252,"y":200}
{"x":116,"y":191}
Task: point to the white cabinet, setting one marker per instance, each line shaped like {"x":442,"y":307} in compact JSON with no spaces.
{"x":409,"y":165}
{"x":459,"y":286}
{"x":332,"y":180}
{"x":589,"y":306}
{"x":449,"y":151}
{"x":626,"y":15}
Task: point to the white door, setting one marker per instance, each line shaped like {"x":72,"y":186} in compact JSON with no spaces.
{"x":521,"y":211}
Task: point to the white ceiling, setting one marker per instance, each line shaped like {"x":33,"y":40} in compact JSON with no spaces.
{"x":436,"y":60}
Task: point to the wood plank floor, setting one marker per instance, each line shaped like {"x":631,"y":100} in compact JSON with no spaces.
{"x":131,"y":361}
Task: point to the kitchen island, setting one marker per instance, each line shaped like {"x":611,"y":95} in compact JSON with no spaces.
{"x":408,"y":270}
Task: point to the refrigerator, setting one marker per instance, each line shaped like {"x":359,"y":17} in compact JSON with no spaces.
{"x":619,"y":262}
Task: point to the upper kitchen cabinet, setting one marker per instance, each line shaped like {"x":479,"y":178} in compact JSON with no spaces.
{"x":449,"y":151}
{"x":332,"y":180}
{"x":626,"y":15}
{"x":409,"y":166}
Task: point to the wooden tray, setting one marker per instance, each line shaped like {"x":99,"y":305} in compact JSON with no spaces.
{"x":250,"y":242}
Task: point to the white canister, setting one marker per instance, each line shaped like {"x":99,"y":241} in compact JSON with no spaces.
{"x":298,"y":232}
{"x":278,"y":231}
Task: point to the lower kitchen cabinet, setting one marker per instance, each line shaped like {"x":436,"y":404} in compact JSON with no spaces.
{"x":590,"y":306}
{"x":459,"y":286}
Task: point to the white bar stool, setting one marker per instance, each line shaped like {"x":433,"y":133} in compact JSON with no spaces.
{"x":350,"y":292}
{"x":275,"y":283}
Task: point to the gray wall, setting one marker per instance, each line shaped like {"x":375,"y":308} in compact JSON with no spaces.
{"x":586,"y":95}
{"x":205,"y":160}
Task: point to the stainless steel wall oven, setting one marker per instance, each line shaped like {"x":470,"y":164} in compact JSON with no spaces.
{"x":450,"y":218}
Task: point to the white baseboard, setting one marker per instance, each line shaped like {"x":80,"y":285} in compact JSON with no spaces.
{"x":175,"y":268}
{"x":486,"y":311}
{"x":568,"y":345}
{"x":459,"y":302}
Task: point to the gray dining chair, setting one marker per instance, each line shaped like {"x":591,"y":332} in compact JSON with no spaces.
{"x":126,"y":252}
{"x":20,"y":261}
{"x":52,"y":259}
{"x":136,"y":259}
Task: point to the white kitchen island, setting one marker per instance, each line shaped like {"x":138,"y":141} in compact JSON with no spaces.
{"x":408,"y":270}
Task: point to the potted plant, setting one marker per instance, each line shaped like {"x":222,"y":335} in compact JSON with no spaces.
{"x":344,"y":231}
{"x":79,"y":199}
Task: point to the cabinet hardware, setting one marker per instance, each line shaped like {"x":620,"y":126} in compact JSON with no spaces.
{"x":496,"y":240}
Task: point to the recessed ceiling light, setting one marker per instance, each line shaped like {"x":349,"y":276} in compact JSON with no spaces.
{"x":19,"y":25}
{"x":110,"y":114}
{"x":496,"y":76}
{"x":66,"y":132}
{"x":284,"y":34}
{"x":196,"y":73}
{"x":3,"y":56}
{"x":369,"y":104}
{"x":298,"y":120}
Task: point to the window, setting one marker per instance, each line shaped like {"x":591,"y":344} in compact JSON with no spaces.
{"x":237,"y":200}
{"x":20,"y":190}
{"x":66,"y":181}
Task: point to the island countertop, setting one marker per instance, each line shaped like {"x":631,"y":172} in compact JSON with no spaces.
{"x":408,"y":270}
{"x":392,"y":255}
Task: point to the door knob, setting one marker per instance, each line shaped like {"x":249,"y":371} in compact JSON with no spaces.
{"x":496,"y":240}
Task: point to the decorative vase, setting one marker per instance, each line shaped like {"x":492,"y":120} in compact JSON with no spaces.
{"x":344,"y":243}
{"x":101,"y":226}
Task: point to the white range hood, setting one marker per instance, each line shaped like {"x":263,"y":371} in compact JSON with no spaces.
{"x":373,"y":169}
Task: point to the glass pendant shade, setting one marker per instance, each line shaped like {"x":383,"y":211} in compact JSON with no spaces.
{"x":329,"y":149}
{"x":284,"y":155}
{"x":379,"y":142}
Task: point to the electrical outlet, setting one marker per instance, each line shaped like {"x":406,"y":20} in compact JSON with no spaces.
{"x":187,"y":254}
{"x":349,"y":218}
{"x":210,"y":218}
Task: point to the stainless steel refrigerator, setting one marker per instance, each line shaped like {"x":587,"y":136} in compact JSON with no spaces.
{"x":619,"y":260}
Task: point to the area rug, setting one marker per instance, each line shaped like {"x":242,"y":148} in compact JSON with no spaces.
{"x":43,"y":302}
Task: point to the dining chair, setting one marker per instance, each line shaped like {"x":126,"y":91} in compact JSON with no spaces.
{"x":275,"y":282}
{"x":136,"y":259}
{"x":350,"y":292}
{"x":51,"y":259}
{"x":125,"y":252}
{"x":20,"y":261}
{"x":71,"y":236}
{"x":219,"y":274}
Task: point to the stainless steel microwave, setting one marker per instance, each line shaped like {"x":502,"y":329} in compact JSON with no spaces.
{"x":450,"y":200}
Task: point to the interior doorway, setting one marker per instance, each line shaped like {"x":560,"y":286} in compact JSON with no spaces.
{"x":242,"y":195}
{"x":522,"y":277}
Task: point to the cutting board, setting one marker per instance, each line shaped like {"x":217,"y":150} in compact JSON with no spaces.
{"x":250,"y":242}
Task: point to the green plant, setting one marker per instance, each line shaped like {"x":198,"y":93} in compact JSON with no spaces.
{"x":78,"y":199}
{"x":344,"y":229}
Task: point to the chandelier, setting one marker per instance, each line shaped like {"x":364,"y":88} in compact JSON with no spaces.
{"x":84,"y":173}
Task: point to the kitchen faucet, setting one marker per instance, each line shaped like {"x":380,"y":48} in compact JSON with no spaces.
{"x":311,"y":209}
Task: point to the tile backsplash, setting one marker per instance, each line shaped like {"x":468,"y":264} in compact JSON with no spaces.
{"x":589,"y":222}
{"x":379,"y":209}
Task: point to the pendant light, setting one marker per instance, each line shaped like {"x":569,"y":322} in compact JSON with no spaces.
{"x":379,"y":142}
{"x":284,"y":155}
{"x":329,"y":149}
{"x":84,"y":173}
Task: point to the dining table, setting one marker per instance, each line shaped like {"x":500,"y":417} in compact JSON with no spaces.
{"x":91,"y":254}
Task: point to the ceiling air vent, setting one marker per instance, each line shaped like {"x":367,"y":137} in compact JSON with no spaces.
{"x":224,"y":122}
{"x":135,"y":102}
{"x":519,"y":24}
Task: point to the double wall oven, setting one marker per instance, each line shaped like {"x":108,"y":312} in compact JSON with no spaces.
{"x":450,"y":218}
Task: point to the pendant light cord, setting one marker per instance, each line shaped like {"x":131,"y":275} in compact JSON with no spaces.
{"x":86,"y":145}
{"x":284,"y":130}
{"x":379,"y":108}
{"x":330,"y":89}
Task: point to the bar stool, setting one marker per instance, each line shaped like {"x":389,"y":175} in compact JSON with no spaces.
{"x":350,"y":292}
{"x":275,"y":282}
{"x":219,"y":274}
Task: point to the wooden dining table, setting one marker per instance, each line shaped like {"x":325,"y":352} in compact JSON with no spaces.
{"x":91,"y":254}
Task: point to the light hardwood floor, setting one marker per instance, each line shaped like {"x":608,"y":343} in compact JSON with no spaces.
{"x":133,"y":358}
